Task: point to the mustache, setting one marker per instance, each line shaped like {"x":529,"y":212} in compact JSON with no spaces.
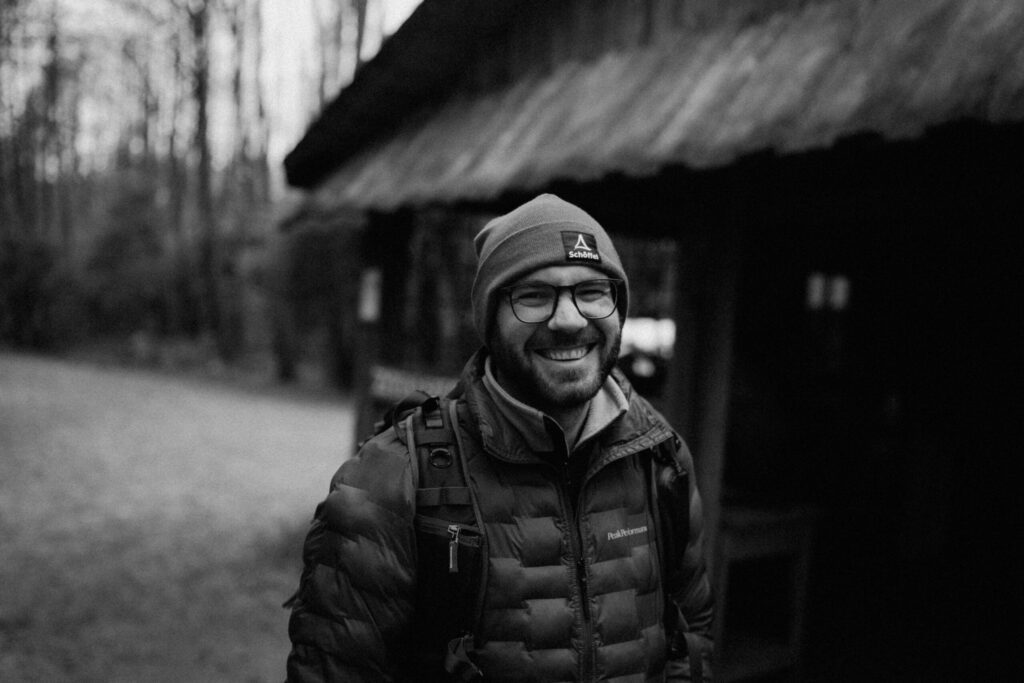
{"x":545,"y":338}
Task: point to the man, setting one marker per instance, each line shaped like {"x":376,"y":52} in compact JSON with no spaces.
{"x":558,"y":451}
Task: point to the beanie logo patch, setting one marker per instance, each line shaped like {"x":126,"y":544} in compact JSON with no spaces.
{"x":580,"y":247}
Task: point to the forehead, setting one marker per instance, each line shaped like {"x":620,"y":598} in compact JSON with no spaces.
{"x":561,"y":275}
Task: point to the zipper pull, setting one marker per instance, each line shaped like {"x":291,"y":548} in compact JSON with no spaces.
{"x":581,"y":573}
{"x":453,"y":548}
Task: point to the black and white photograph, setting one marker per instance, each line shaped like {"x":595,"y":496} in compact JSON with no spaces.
{"x":525,"y":341}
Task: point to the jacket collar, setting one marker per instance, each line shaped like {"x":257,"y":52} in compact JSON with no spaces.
{"x":543,"y":433}
{"x":638,"y":428}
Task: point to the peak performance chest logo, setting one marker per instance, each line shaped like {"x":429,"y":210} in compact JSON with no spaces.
{"x":625,"y":533}
{"x":580,"y":247}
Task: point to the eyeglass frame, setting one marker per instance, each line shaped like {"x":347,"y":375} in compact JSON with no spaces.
{"x":615,"y":282}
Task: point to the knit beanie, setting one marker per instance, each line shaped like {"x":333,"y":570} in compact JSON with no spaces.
{"x":546,"y":231}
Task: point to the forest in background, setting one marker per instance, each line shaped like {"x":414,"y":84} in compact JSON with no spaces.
{"x":140,"y":148}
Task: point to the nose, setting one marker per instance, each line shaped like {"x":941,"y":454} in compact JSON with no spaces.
{"x":566,"y":317}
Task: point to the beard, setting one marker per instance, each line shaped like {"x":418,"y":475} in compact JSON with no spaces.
{"x":534,"y":382}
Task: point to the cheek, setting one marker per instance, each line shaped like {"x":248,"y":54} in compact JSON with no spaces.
{"x":509,"y":331}
{"x":611,"y":327}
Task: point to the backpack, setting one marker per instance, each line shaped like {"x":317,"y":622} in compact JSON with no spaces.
{"x":452,"y":543}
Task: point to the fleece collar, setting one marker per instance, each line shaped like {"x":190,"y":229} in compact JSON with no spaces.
{"x":641,"y":427}
{"x":538,"y":428}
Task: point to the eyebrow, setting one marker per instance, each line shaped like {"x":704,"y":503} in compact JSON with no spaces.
{"x":552,"y":284}
{"x":531,"y":283}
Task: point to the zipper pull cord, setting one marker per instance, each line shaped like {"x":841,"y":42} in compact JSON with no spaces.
{"x":453,"y":548}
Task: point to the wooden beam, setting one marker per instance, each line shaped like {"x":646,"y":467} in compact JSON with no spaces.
{"x":679,"y":391}
{"x":700,"y":381}
{"x":714,"y":371}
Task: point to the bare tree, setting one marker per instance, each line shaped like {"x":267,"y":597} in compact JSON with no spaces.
{"x":102,"y":118}
{"x":7,"y":22}
{"x":11,"y":20}
{"x":259,"y":130}
{"x":329,"y":18}
{"x":360,"y":7}
{"x":198,"y":12}
{"x":246,"y":181}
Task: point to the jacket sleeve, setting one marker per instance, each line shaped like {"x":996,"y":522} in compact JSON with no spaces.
{"x":688,"y":583}
{"x":351,"y":614}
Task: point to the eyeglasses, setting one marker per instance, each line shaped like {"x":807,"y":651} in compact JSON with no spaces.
{"x":535,"y":302}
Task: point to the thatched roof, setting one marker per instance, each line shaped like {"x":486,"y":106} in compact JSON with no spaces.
{"x":798,"y":80}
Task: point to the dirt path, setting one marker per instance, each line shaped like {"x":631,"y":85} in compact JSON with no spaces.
{"x":149,"y":527}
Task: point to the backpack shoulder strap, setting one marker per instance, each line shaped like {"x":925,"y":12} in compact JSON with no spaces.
{"x":457,"y":659}
{"x":432,"y":438}
{"x":443,"y":493}
{"x":670,"y":502}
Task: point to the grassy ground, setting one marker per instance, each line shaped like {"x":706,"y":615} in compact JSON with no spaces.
{"x":150,"y":526}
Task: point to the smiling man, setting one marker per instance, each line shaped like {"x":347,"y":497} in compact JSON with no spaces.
{"x":580,"y":558}
{"x":553,"y":355}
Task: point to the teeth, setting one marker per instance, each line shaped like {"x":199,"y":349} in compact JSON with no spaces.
{"x":565,"y":354}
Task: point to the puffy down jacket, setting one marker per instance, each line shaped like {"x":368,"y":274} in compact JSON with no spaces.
{"x":573,"y":588}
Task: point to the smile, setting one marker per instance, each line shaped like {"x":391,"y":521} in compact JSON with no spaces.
{"x":569,"y":354}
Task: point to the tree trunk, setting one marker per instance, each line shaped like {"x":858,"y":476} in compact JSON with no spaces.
{"x":260,"y":137}
{"x":360,"y":7}
{"x":329,"y":24}
{"x":9,"y":214}
{"x":180,"y":263}
{"x":209,"y":253}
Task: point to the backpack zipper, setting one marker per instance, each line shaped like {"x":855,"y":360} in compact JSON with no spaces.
{"x":453,"y":548}
{"x":458,"y":534}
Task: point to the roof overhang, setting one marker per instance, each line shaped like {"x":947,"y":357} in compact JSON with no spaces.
{"x":413,"y":68}
{"x":799,"y":80}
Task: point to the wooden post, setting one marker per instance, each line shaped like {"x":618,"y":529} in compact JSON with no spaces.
{"x":367,"y":347}
{"x":679,"y":390}
{"x":714,"y":373}
{"x":701,"y":376}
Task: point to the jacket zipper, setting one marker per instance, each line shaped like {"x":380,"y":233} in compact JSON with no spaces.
{"x":575,"y":543}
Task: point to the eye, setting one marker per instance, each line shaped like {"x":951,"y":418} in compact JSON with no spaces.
{"x":531,"y":295}
{"x":593,"y":291}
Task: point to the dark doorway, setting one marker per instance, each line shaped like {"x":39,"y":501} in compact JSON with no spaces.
{"x":878,"y":379}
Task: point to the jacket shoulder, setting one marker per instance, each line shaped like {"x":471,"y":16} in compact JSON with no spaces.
{"x":675,"y":447}
{"x":355,"y":601}
{"x":378,"y":479}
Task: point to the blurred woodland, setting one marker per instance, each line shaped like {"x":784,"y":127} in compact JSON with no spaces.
{"x":140,"y":141}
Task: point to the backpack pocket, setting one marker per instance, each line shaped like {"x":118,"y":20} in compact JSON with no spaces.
{"x":449,"y":562}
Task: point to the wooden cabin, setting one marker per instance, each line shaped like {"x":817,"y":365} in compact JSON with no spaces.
{"x":826,"y":199}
